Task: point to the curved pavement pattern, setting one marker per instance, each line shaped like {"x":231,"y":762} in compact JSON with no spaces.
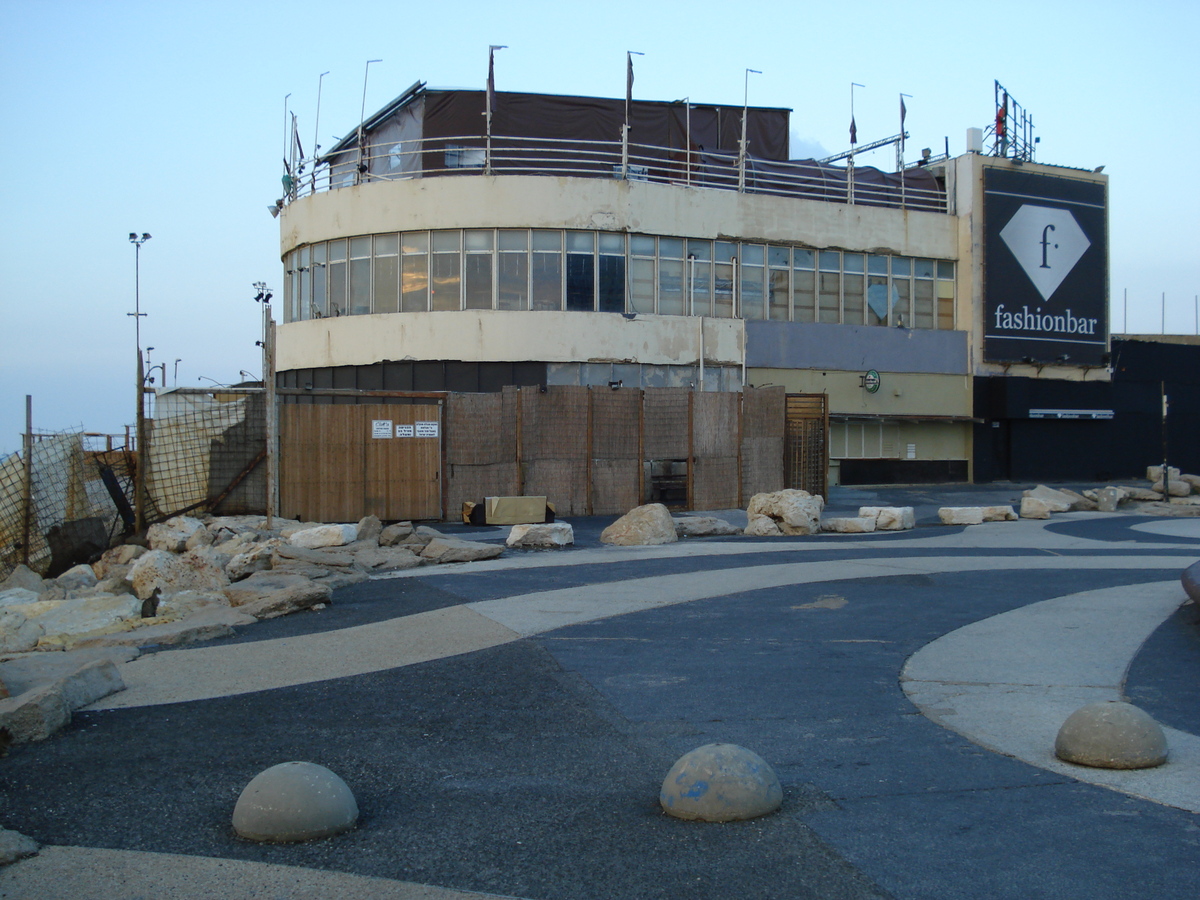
{"x":880,"y":796}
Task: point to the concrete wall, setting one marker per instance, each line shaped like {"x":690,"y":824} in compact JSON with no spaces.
{"x":514,"y":201}
{"x":900,"y":394}
{"x":501,"y":335}
{"x":811,"y":345}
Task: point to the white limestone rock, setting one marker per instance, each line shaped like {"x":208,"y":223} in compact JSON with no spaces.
{"x":452,"y":550}
{"x":170,"y":573}
{"x":849,"y":524}
{"x":1056,"y":501}
{"x":1035,"y":508}
{"x":255,"y":558}
{"x":369,"y":528}
{"x":999,"y":514}
{"x":17,"y":633}
{"x":173,"y":534}
{"x":1193,"y":480}
{"x":185,"y":603}
{"x":88,"y":614}
{"x":16,"y":846}
{"x":641,"y":526}
{"x":1174,"y":488}
{"x":18,"y":597}
{"x":324,"y":536}
{"x":961,"y":515}
{"x":1109,"y":498}
{"x":23,"y":577}
{"x":1079,"y":501}
{"x":793,"y":511}
{"x":387,"y":559}
{"x":266,"y":595}
{"x":890,"y":518}
{"x":703,"y":526}
{"x":80,"y":576}
{"x":123,"y":555}
{"x":545,"y":536}
{"x":1154,"y":473}
{"x":395,"y":533}
{"x":761,"y":526}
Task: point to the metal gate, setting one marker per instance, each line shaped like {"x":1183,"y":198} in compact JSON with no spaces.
{"x":806,"y":443}
{"x":340,"y":462}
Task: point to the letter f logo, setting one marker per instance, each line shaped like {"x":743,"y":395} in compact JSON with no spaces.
{"x":1033,"y":232}
{"x":1046,"y":245}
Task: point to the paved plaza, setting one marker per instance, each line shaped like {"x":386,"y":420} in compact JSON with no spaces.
{"x":506,"y":725}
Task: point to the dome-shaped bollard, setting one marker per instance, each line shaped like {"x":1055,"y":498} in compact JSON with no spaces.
{"x":720,"y":783}
{"x":1191,"y":581}
{"x":1111,"y":735}
{"x":294,"y":801}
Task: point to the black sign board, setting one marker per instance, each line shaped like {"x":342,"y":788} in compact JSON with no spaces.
{"x":1046,"y":282}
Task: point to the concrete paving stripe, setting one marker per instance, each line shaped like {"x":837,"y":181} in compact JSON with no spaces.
{"x":1009,"y":682}
{"x":536,"y":613}
{"x":69,"y":873}
{"x":218,"y":671}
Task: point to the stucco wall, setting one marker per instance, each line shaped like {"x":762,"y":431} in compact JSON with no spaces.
{"x":812,"y":345}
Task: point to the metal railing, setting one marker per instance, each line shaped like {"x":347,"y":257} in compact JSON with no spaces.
{"x":915,"y":188}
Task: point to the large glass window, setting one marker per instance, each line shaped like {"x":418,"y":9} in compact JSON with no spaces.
{"x":512,"y":263}
{"x":699,"y":278}
{"x":414,"y":271}
{"x":671,"y":281}
{"x":724,"y":264}
{"x":547,"y":274}
{"x":478,"y":269}
{"x":581,"y":271}
{"x":319,"y":272}
{"x":360,"y":276}
{"x":337,"y":278}
{"x":387,"y":274}
{"x":611,"y":296}
{"x":446,"y":271}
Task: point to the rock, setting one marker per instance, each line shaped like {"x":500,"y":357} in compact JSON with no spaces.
{"x":961,"y":515}
{"x":1154,"y":473}
{"x":1174,"y":488}
{"x":334,"y":558}
{"x":792,"y":511}
{"x":1034,"y":508}
{"x":890,"y":518}
{"x":202,"y":538}
{"x":90,"y":682}
{"x":34,"y":715}
{"x":119,"y":557}
{"x":17,"y":633}
{"x":998,"y":514}
{"x":703,"y":526}
{"x":1111,"y":735}
{"x":1143,"y":495}
{"x":170,"y":573}
{"x":395,"y":533}
{"x":87,"y":614}
{"x":236,"y":544}
{"x":1056,"y":501}
{"x":80,"y":576}
{"x":294,"y":801}
{"x":547,"y":536}
{"x":22,"y":577}
{"x":256,"y":558}
{"x":173,"y":534}
{"x":369,"y":528}
{"x":205,"y":623}
{"x":1109,"y":498}
{"x":387,"y":559}
{"x":452,"y":550}
{"x":18,"y":597}
{"x":324,"y":536}
{"x":15,"y":846}
{"x":1191,"y":581}
{"x":849,"y":524}
{"x":1079,"y":501}
{"x":185,"y":603}
{"x":642,"y":525}
{"x":266,"y":595}
{"x":720,"y":783}
{"x":1193,"y":480}
{"x":761,"y":526}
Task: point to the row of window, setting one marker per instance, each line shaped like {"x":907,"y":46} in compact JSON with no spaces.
{"x":608,"y":272}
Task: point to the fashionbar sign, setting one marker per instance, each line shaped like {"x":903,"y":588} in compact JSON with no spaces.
{"x":1046,"y":288}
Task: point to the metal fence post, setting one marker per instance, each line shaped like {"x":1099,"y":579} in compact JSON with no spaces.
{"x":27,"y":518}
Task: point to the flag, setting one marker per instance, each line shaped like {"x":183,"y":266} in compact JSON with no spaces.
{"x":296,"y":137}
{"x":628,"y":80}
{"x":853,"y":131}
{"x":491,"y":81}
{"x":903,"y":113}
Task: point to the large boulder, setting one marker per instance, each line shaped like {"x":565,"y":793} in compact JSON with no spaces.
{"x":545,"y":536}
{"x":849,"y":524}
{"x":117,"y":557}
{"x":23,"y":577}
{"x":791,"y":511}
{"x":77,"y":577}
{"x":961,"y":515}
{"x":266,"y":595}
{"x":1154,"y":473}
{"x":173,"y":534}
{"x":186,"y":603}
{"x":86,"y":614}
{"x":369,"y":529}
{"x":649,"y":524}
{"x":255,"y":558}
{"x":452,"y":550}
{"x":1109,"y":498}
{"x":387,"y":559}
{"x":999,"y":513}
{"x":18,"y":596}
{"x":703,"y":526}
{"x":324,"y":536}
{"x":1056,"y":501}
{"x":170,"y":573}
{"x":1035,"y":508}
{"x":395,"y":533}
{"x":1175,"y":488}
{"x":17,"y":633}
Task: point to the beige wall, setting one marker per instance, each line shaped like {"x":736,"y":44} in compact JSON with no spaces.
{"x":514,"y":201}
{"x":508,"y":336}
{"x":899,"y":394}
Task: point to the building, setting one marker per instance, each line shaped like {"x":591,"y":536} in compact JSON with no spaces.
{"x":557,"y":240}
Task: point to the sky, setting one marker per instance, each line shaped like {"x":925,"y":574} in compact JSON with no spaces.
{"x":169,"y":119}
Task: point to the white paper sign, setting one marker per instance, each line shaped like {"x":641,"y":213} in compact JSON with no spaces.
{"x":403,"y":431}
{"x":427,"y":429}
{"x":381,"y":428}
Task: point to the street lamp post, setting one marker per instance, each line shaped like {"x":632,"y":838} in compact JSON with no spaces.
{"x":139,"y":482}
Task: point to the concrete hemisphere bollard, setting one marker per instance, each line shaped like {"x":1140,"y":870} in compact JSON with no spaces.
{"x":1191,"y":581}
{"x":720,"y":783}
{"x":294,"y":801}
{"x":1111,"y":735}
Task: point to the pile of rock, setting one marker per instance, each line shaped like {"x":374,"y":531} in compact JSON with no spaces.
{"x":784,"y":512}
{"x":197,"y":579}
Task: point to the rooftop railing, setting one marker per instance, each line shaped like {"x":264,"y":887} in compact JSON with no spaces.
{"x":914,"y":188}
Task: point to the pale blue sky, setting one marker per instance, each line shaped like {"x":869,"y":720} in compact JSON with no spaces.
{"x":169,"y":118}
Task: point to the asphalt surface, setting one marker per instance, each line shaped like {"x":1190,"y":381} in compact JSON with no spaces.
{"x":531,"y":768}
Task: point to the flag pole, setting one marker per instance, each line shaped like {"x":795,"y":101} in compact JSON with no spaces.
{"x":490,"y":104}
{"x":629,"y":55}
{"x":853,"y":141}
{"x":900,"y":155}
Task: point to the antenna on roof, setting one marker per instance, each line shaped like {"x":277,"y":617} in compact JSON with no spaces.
{"x":362,"y":118}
